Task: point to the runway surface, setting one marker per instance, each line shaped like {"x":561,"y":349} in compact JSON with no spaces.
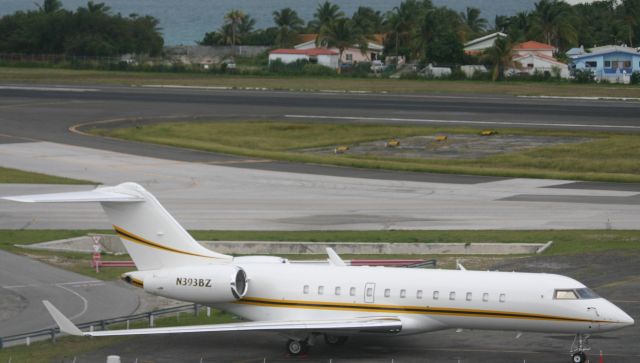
{"x":24,"y":283}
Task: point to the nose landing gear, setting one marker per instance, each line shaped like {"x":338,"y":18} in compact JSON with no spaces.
{"x":579,"y":347}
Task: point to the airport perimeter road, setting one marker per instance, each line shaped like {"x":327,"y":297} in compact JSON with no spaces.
{"x":206,"y":196}
{"x":24,"y":283}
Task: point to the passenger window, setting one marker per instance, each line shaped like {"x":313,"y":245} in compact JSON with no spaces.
{"x":320,"y":290}
{"x":338,"y":290}
{"x":436,"y":295}
{"x":352,"y":291}
{"x":452,"y":295}
{"x":403,"y":293}
{"x":387,"y":292}
{"x":565,"y":295}
{"x":419,"y":294}
{"x":369,"y":292}
{"x":305,"y":289}
{"x":485,"y":297}
{"x":503,"y":298}
{"x":469,"y":296}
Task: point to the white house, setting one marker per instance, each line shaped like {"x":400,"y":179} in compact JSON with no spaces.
{"x":613,"y":63}
{"x":531,"y":57}
{"x":325,"y":57}
{"x":350,"y":55}
{"x":479,"y":45}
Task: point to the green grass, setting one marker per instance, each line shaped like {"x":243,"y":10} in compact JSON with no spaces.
{"x":66,"y":348}
{"x":607,"y":157}
{"x":67,"y":76}
{"x":16,"y":176}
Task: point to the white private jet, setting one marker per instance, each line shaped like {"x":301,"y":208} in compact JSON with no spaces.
{"x":305,"y":301}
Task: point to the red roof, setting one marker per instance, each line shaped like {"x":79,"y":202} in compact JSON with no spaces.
{"x":312,"y":51}
{"x":533,"y":45}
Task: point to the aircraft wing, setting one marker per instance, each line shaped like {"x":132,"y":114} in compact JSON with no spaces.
{"x":371,"y":324}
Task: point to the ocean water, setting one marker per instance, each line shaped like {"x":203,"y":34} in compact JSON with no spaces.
{"x":186,"y":21}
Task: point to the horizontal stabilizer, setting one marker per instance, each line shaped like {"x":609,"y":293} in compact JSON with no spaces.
{"x":372,"y":324}
{"x":97,"y":195}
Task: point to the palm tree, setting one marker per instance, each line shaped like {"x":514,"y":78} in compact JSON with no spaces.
{"x":500,"y":57}
{"x":325,"y":14}
{"x":233,"y":18}
{"x":402,"y":20}
{"x":368,"y":20}
{"x":630,"y":17}
{"x":473,"y":22}
{"x":552,"y":19}
{"x":341,"y":34}
{"x":50,"y":6}
{"x":246,"y":26}
{"x":97,"y":8}
{"x":289,"y":23}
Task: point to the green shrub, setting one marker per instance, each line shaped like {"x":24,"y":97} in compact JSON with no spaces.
{"x":584,"y":76}
{"x":317,"y":70}
{"x":635,"y":78}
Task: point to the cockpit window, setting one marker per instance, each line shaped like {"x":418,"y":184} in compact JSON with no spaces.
{"x":575,"y":294}
{"x":586,"y":293}
{"x":565,"y":295}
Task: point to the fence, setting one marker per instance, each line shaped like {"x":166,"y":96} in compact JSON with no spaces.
{"x":53,"y":333}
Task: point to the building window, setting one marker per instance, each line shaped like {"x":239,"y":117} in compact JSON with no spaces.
{"x":320,"y":290}
{"x":591,"y":64}
{"x":452,"y":295}
{"x":352,"y":291}
{"x":469,"y":296}
{"x":337,"y":291}
{"x":419,"y":294}
{"x":627,"y":64}
{"x":387,"y":292}
{"x":529,"y":65}
{"x":305,"y":289}
{"x":403,"y":293}
{"x":349,"y":57}
{"x":369,"y":291}
{"x":485,"y":297}
{"x":607,"y":64}
{"x":503,"y":298}
{"x":436,"y":295}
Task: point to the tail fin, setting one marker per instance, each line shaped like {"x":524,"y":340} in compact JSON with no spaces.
{"x":153,"y":238}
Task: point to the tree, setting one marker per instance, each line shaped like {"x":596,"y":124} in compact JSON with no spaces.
{"x":325,"y":14}
{"x":50,"y":6}
{"x":233,"y":19}
{"x":289,"y":24}
{"x":402,"y":21}
{"x":472,"y":21}
{"x":500,"y":57}
{"x":341,"y":34}
{"x":553,"y":20}
{"x":368,"y":20}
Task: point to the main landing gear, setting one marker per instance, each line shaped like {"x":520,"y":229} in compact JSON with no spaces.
{"x":579,"y":347}
{"x":302,"y":346}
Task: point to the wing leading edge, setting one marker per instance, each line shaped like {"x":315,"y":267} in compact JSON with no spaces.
{"x":370,"y":324}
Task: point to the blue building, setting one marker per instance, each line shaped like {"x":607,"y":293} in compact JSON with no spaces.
{"x":612,"y":63}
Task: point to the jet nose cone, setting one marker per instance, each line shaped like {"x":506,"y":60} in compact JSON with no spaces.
{"x":627,"y":320}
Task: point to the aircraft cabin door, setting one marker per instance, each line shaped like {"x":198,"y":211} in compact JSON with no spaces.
{"x":370,"y":292}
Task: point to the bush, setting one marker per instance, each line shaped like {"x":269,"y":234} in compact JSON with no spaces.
{"x":635,"y":78}
{"x":584,"y":76}
{"x":317,"y":70}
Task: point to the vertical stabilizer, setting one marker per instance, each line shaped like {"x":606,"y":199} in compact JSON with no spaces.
{"x":153,"y":238}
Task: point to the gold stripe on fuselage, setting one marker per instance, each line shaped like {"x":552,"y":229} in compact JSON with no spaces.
{"x":137,"y":239}
{"x":321,"y":305}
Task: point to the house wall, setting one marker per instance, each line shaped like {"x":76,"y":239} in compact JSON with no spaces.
{"x":615,"y":72}
{"x":357,"y":56}
{"x":330,"y":61}
{"x":542,"y":65}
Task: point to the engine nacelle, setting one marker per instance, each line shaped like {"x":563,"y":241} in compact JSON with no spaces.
{"x":208,"y":284}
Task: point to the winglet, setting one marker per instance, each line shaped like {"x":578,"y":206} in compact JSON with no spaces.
{"x":334,"y":259}
{"x":66,"y":326}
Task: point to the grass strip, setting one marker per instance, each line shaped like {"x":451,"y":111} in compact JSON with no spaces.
{"x":8,"y":175}
{"x":93,"y":77}
{"x":606,"y":156}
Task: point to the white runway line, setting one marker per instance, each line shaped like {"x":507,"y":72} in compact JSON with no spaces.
{"x":85,"y":303}
{"x":466,"y":122}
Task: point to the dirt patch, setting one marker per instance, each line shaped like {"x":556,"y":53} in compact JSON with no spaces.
{"x":453,"y":147}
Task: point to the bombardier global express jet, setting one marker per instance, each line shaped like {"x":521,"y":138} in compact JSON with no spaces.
{"x":333,"y":301}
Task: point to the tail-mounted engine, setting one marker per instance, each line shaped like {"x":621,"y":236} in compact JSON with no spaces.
{"x":208,"y":284}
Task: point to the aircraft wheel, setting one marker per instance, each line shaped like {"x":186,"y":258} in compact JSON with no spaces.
{"x":579,"y":357}
{"x":335,"y":339}
{"x":297,"y":347}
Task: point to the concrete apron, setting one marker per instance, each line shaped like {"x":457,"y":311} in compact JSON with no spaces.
{"x":112,"y":244}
